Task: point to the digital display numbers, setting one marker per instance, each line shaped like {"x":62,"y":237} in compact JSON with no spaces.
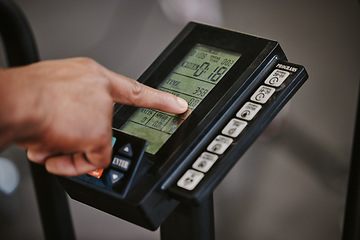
{"x":192,"y":79}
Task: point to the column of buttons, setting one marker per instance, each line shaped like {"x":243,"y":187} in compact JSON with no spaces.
{"x":232,"y":130}
{"x":202,"y":165}
{"x":120,"y":164}
{"x":127,"y":159}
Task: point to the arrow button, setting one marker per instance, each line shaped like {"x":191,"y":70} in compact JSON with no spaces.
{"x":115,"y":176}
{"x":126,"y":150}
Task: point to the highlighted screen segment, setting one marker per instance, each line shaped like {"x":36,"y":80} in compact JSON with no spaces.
{"x":192,"y":79}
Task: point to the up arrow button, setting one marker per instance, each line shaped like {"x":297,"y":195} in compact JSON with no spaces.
{"x":126,"y":150}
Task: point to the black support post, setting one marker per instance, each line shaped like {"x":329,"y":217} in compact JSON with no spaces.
{"x":190,"y":222}
{"x":351,"y":229}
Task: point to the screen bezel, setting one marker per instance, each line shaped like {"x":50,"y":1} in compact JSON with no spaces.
{"x":250,"y":47}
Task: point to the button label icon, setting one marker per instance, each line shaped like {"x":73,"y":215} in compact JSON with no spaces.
{"x":263,"y":94}
{"x":205,"y":162}
{"x":234,"y":128}
{"x":190,"y":179}
{"x":219,"y":144}
{"x":277,"y":77}
{"x":248,"y":111}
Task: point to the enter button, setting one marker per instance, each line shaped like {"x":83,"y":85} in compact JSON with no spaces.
{"x":121,"y":163}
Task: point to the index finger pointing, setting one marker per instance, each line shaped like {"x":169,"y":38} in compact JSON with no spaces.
{"x":130,"y":92}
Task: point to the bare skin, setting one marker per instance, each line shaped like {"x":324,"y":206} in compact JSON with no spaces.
{"x":61,"y":111}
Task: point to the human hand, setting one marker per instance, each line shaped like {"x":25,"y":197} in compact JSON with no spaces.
{"x":73,"y":106}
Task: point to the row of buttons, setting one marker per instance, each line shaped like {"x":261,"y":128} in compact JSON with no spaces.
{"x":232,"y":130}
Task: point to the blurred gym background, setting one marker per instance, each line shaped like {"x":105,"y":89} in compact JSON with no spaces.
{"x":291,"y":184}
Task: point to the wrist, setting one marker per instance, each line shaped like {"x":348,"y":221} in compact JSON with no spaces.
{"x":19,"y":108}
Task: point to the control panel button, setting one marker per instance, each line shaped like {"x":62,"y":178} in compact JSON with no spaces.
{"x":115,"y":176}
{"x":190,"y":179}
{"x":277,"y":77}
{"x":234,"y":128}
{"x":248,"y":111}
{"x":96,"y":173}
{"x":113,"y":141}
{"x":263,"y":94}
{"x":121,"y":163}
{"x":205,"y":162}
{"x":219,"y":144}
{"x":126,"y":150}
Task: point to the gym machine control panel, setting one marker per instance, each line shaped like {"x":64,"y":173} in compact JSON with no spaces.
{"x":234,"y":83}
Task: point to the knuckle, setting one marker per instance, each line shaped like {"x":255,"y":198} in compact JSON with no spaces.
{"x":137,"y":92}
{"x":86,"y":61}
{"x":89,"y":65}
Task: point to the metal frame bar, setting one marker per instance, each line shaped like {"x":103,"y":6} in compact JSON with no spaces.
{"x":52,"y":201}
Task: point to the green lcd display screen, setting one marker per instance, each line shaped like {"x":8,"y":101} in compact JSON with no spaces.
{"x":192,"y":79}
